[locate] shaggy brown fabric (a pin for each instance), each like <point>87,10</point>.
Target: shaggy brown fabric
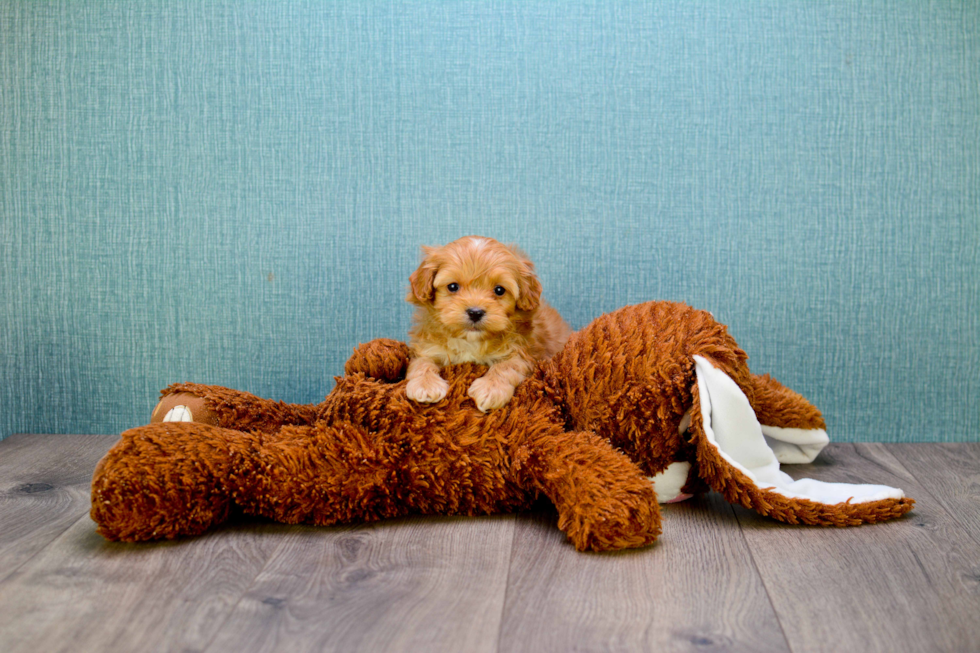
<point>776,405</point>
<point>629,375</point>
<point>583,431</point>
<point>383,359</point>
<point>372,454</point>
<point>239,410</point>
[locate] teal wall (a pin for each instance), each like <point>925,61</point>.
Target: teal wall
<point>234,192</point>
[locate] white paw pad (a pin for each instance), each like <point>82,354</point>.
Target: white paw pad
<point>668,483</point>
<point>179,414</point>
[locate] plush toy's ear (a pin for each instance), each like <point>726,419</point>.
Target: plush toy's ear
<point>735,459</point>
<point>422,280</point>
<point>528,285</point>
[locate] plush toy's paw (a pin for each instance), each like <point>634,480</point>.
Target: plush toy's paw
<point>490,394</point>
<point>427,388</point>
<point>668,484</point>
<point>383,359</point>
<point>183,407</point>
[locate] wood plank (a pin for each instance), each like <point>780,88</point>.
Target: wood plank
<point>951,474</point>
<point>695,589</point>
<point>442,583</point>
<point>907,585</point>
<point>44,488</point>
<point>421,584</point>
<point>83,593</point>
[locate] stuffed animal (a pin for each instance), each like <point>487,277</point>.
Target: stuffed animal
<point>656,395</point>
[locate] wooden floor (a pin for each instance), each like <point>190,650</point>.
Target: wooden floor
<point>720,579</point>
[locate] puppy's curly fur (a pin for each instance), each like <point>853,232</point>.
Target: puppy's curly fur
<point>479,301</point>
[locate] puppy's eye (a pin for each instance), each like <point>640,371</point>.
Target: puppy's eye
<point>499,291</point>
<point>453,287</point>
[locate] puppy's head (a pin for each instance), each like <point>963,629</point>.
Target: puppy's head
<point>475,287</point>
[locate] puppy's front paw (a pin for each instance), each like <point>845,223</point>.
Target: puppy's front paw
<point>427,389</point>
<point>490,394</point>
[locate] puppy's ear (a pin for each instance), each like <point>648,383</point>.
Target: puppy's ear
<point>529,287</point>
<point>422,280</point>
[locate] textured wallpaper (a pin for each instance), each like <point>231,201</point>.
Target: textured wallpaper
<point>235,192</point>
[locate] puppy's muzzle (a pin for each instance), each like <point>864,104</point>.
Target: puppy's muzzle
<point>475,314</point>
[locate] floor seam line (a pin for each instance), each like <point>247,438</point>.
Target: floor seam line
<point>510,567</point>
<point>765,587</point>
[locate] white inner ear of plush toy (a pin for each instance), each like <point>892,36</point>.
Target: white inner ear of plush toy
<point>731,426</point>
<point>795,446</point>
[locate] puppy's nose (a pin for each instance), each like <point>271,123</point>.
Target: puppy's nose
<point>476,314</point>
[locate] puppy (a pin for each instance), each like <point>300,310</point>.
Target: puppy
<point>478,302</point>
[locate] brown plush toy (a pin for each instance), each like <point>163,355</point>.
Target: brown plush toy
<point>638,393</point>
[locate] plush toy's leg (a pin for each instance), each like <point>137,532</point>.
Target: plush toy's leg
<point>735,460</point>
<point>322,475</point>
<point>162,481</point>
<point>183,407</point>
<point>603,499</point>
<point>233,409</point>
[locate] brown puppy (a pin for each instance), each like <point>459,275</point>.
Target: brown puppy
<point>479,302</point>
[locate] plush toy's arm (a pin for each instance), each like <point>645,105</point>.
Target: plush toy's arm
<point>604,501</point>
<point>383,359</point>
<point>233,409</point>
